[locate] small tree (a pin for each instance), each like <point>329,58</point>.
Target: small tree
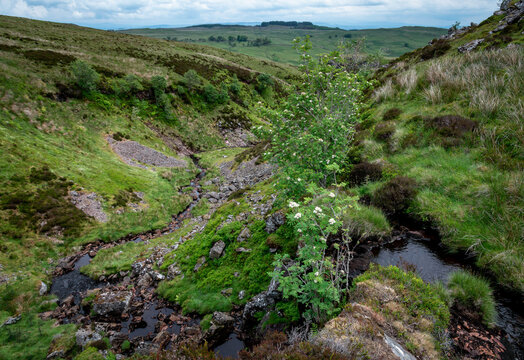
<point>192,80</point>
<point>85,76</point>
<point>264,82</point>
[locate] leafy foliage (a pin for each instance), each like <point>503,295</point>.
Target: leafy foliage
<point>85,76</point>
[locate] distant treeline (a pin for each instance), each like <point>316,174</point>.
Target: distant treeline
<point>295,24</point>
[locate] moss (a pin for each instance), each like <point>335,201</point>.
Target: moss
<point>90,353</point>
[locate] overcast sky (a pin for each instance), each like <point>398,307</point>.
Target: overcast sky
<point>112,14</point>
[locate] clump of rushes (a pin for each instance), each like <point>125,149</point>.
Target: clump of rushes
<point>474,293</point>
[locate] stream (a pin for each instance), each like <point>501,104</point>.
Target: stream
<point>432,263</point>
<point>413,249</point>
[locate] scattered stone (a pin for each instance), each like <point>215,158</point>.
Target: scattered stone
<point>244,235</point>
<point>241,294</point>
<point>173,271</point>
<point>43,289</point>
<point>86,337</point>
<point>89,203</point>
<point>217,250</point>
<point>145,281</point>
<point>201,261</point>
<point>227,292</point>
<point>136,154</point>
<point>243,250</point>
<point>274,221</point>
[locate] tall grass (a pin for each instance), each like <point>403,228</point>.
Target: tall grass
<point>473,293</point>
<point>384,92</point>
<point>408,80</point>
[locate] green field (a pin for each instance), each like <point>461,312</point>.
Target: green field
<point>391,42</point>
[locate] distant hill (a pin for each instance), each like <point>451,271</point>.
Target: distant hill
<point>272,40</point>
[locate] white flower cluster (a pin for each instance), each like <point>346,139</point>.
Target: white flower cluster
<point>293,204</point>
<point>298,215</point>
<point>317,210</point>
<point>332,221</point>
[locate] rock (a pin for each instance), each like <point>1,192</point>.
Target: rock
<point>58,354</point>
<point>221,326</point>
<point>227,292</point>
<point>146,348</point>
<point>243,250</point>
<point>262,302</point>
<point>274,221</point>
<point>213,195</point>
<point>217,250</point>
<point>201,261</point>
<point>11,320</point>
<point>241,294</point>
<point>173,271</point>
<point>112,302</point>
<point>43,289</point>
<point>86,337</point>
<point>504,6</point>
<point>244,235</point>
<point>470,46</point>
<point>162,338</point>
<point>145,281</point>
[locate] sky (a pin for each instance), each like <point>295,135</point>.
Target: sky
<point>349,14</point>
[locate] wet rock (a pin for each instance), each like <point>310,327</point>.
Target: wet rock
<point>217,250</point>
<point>221,326</point>
<point>43,289</point>
<point>274,221</point>
<point>262,302</point>
<point>201,261</point>
<point>112,302</point>
<point>85,337</point>
<point>162,338</point>
<point>244,235</point>
<point>145,281</point>
<point>146,348</point>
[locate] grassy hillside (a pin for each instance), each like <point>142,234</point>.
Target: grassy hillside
<point>54,131</point>
<point>453,122</point>
<point>392,42</point>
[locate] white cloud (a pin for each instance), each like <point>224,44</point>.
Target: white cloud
<point>355,13</point>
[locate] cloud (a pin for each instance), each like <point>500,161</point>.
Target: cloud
<point>352,13</point>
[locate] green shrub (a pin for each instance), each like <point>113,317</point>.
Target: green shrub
<point>437,49</point>
<point>364,172</point>
<point>127,86</point>
<point>192,80</point>
<point>159,85</point>
<point>126,345</point>
<point>85,76</point>
<point>264,82</point>
<point>213,96</point>
<point>474,293</point>
<point>90,353</point>
<point>395,196</point>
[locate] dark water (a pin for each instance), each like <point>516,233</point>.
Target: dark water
<point>83,261</point>
<point>433,264</point>
<point>150,318</point>
<point>73,283</point>
<point>231,347</point>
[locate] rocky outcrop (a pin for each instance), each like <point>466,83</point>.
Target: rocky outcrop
<point>274,221</point>
<point>85,338</point>
<point>470,46</point>
<point>221,326</point>
<point>512,14</point>
<point>109,302</point>
<point>264,302</point>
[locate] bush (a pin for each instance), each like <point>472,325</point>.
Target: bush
<point>85,76</point>
<point>192,80</point>
<point>392,114</point>
<point>451,125</point>
<point>364,172</point>
<point>159,85</point>
<point>384,131</point>
<point>264,82</point>
<point>473,293</point>
<point>395,196</point>
<point>213,96</point>
<point>129,85</point>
